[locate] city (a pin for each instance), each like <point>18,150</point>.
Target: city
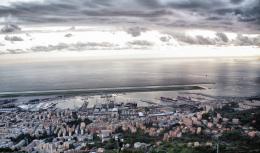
<point>188,122</point>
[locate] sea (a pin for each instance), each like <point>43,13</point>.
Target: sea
<point>220,77</point>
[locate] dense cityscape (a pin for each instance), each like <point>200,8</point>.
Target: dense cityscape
<point>181,124</point>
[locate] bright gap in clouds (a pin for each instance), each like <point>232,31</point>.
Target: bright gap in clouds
<point>110,42</point>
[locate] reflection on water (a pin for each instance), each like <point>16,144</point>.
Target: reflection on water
<point>230,78</point>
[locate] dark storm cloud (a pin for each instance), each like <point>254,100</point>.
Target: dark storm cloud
<point>136,31</point>
<point>13,38</point>
<point>198,40</point>
<point>122,13</point>
<point>165,38</point>
<point>8,28</point>
<point>140,43</point>
<point>74,47</point>
<point>223,37</point>
<point>236,1</point>
<point>150,3</point>
<point>254,12</point>
<point>208,14</point>
<point>219,39</point>
<point>257,80</point>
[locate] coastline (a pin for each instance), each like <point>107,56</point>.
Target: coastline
<point>102,90</point>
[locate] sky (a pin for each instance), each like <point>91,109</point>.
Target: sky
<point>212,14</point>
<point>162,25</point>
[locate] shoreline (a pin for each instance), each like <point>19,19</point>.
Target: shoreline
<point>102,90</point>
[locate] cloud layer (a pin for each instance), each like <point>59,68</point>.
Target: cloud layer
<point>212,14</point>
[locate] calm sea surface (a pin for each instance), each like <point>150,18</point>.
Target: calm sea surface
<point>224,77</point>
